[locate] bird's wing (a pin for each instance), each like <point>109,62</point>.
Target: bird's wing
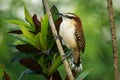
<point>80,39</point>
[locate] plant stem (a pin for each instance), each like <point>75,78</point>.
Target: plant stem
<point>113,36</point>
<point>21,75</point>
<point>67,67</point>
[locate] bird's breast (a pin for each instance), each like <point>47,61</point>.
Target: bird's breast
<point>67,32</point>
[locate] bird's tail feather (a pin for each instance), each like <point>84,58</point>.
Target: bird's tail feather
<point>77,66</point>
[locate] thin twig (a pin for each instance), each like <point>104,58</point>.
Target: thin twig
<point>21,75</point>
<point>67,67</point>
<point>113,35</point>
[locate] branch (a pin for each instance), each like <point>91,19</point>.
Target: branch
<point>113,35</point>
<point>67,67</point>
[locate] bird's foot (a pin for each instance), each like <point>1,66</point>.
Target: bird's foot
<point>65,56</point>
<point>57,37</point>
<point>77,67</point>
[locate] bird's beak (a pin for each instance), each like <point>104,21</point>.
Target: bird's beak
<point>60,14</point>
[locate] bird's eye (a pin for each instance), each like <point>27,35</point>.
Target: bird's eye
<point>70,17</point>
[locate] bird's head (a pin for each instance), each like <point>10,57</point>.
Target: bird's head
<point>70,18</point>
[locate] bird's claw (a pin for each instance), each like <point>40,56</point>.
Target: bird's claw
<point>57,37</point>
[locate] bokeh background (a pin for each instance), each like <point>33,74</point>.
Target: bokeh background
<point>94,15</point>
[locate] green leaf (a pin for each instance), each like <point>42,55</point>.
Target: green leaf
<point>37,38</point>
<point>25,40</point>
<point>28,35</point>
<point>18,42</point>
<point>28,16</point>
<point>1,71</point>
<point>44,31</point>
<point>21,38</point>
<point>17,22</point>
<point>82,75</point>
<point>26,32</point>
<point>44,7</point>
<point>50,40</point>
<point>43,62</point>
<point>55,65</point>
<point>54,12</point>
<point>6,76</point>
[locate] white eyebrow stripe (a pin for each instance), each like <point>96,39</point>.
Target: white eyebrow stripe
<point>70,15</point>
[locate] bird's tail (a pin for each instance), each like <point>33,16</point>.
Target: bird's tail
<point>78,65</point>
<point>75,61</point>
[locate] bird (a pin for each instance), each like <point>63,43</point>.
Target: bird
<point>72,35</point>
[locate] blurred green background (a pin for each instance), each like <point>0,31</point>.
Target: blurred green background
<point>98,53</point>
